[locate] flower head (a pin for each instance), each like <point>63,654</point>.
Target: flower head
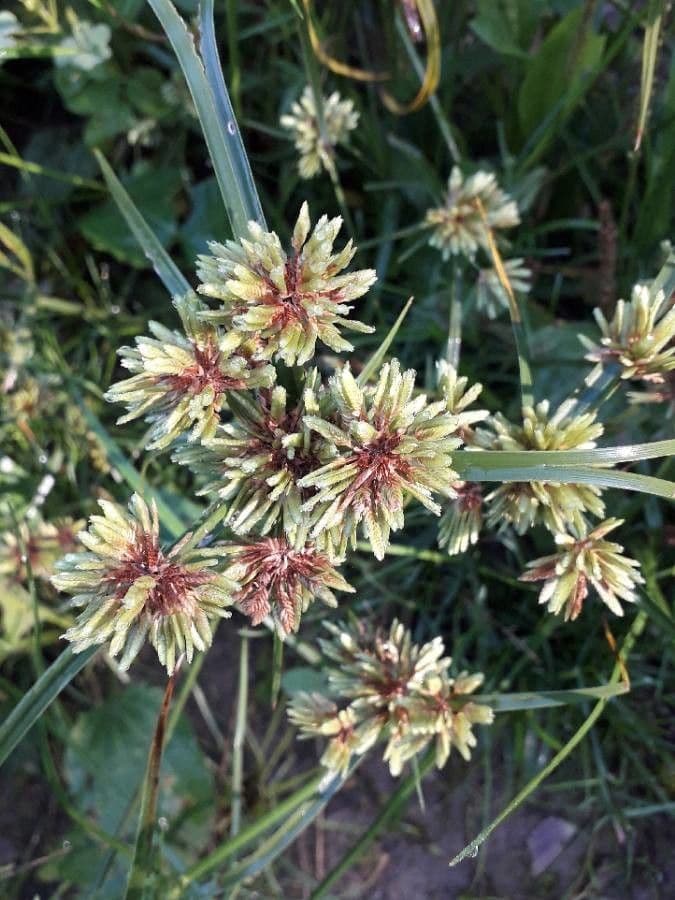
<point>554,505</point>
<point>491,297</point>
<point>397,691</point>
<point>287,301</point>
<point>317,152</point>
<point>584,560</point>
<point>460,524</point>
<point>459,226</point>
<point>640,336</point>
<point>458,397</point>
<point>131,589</point>
<point>40,544</point>
<point>391,447</point>
<point>256,460</point>
<point>180,381</point>
<point>280,579</point>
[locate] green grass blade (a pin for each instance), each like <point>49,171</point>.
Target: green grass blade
<point>627,481</point>
<point>142,863</point>
<point>232,136</point>
<point>471,848</point>
<point>547,699</point>
<point>215,130</point>
<point>32,168</point>
<point>45,690</point>
<point>377,358</point>
<point>602,456</point>
<point>164,266</point>
<point>650,46</point>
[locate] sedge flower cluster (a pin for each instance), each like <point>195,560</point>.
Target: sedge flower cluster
<point>384,688</point>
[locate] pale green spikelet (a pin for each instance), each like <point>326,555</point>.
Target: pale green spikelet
<point>586,559</point>
<point>554,505</point>
<point>281,579</point>
<point>256,460</point>
<point>392,447</point>
<point>180,381</point>
<point>396,691</point>
<point>461,522</point>
<point>458,397</point>
<point>287,301</point>
<point>317,152</point>
<point>640,336</point>
<point>458,225</point>
<point>132,590</point>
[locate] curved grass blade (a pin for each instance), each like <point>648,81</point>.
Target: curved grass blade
<point>215,130</point>
<point>655,14</point>
<point>38,698</point>
<point>164,266</point>
<point>627,481</point>
<point>376,359</point>
<point>141,870</point>
<point>601,456</point>
<point>547,699</point>
<point>471,848</point>
<point>232,136</point>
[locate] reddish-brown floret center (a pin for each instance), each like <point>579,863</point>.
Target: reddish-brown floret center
<point>174,586</point>
<point>276,574</point>
<point>205,372</point>
<point>380,467</point>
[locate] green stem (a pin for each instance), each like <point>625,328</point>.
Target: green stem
<point>239,736</point>
<point>141,870</point>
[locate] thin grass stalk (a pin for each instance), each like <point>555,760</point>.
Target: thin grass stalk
<point>471,849</point>
<point>239,739</point>
<point>141,870</point>
<point>650,47</point>
<point>392,809</point>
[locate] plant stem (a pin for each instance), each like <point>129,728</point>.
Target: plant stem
<point>239,736</point>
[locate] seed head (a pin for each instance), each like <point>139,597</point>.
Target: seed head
<point>397,691</point>
<point>317,152</point>
<point>131,589</point>
<point>457,398</point>
<point>458,224</point>
<point>640,336</point>
<point>180,381</point>
<point>583,560</point>
<point>491,297</point>
<point>287,301</point>
<point>554,505</point>
<point>391,447</point>
<point>462,519</point>
<point>256,460</point>
<point>281,580</point>
<point>42,543</point>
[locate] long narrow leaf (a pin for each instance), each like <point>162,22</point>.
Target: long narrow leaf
<point>221,96</point>
<point>604,456</point>
<point>376,359</point>
<point>234,193</point>
<point>649,49</point>
<point>32,705</point>
<point>162,263</point>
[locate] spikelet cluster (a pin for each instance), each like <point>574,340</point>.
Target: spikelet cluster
<point>388,689</point>
<point>640,336</point>
<point>131,590</point>
<point>280,579</point>
<point>287,302</point>
<point>38,544</point>
<point>181,380</point>
<point>491,296</point>
<point>390,447</point>
<point>317,151</point>
<point>257,459</point>
<point>582,561</point>
<point>459,226</point>
<point>554,505</point>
